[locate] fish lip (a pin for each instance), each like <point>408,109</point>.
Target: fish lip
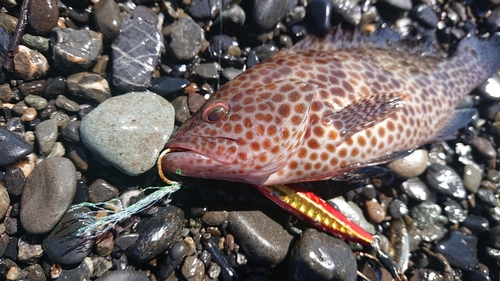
<point>188,144</point>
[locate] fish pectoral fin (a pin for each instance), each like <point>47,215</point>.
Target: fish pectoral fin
<point>360,171</point>
<point>364,113</point>
<point>459,119</point>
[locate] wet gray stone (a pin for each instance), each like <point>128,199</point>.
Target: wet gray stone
<point>129,131</point>
<point>181,109</point>
<point>124,275</point>
<point>353,212</point>
<point>400,4</point>
<point>136,51</point>
<point>266,14</point>
<point>214,218</point>
<point>54,87</point>
<point>230,73</point>
<point>72,132</point>
<point>156,233</point>
<point>318,256</point>
<point>90,86</point>
<point>62,119</point>
<point>204,9</point>
<point>12,147</point>
<point>445,180</point>
<point>146,14</point>
<point>187,39</point>
<point>454,211</point>
<point>75,50</point>
<point>487,197</point>
<point>36,102</point>
<point>206,70</point>
<point>264,241</point>
<point>64,103</point>
<point>107,18</point>
<point>425,15</point>
<point>52,184</point>
<point>472,178</point>
<point>46,133</point>
<point>476,224</point>
<point>460,250</point>
<point>32,88</point>
<point>38,43</point>
<point>426,214</point>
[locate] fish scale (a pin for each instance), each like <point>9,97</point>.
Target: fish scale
<point>326,107</point>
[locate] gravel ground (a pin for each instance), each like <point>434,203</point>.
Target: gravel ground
<point>73,129</point>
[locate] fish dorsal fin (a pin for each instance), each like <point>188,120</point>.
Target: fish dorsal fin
<point>342,38</point>
<point>288,101</point>
<point>364,113</point>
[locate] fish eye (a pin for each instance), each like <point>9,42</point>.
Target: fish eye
<point>215,112</point>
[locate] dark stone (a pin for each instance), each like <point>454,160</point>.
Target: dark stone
<point>264,241</point>
<point>173,259</point>
<point>320,13</point>
<point>14,181</point>
<point>32,88</point>
<point>101,191</point>
<point>46,133</point>
<point>64,103</point>
<point>476,224</point>
<point>425,15</point>
<point>204,9</point>
<point>460,250</point>
<point>146,14</point>
<point>65,244</point>
<point>156,233</point>
<point>445,180</point>
<point>43,15</point>
<point>12,147</point>
<point>107,18</point>
<point>166,85</point>
<point>54,87</point>
<point>318,256</point>
<point>75,50</point>
<point>71,132</point>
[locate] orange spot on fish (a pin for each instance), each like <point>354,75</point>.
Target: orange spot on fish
<point>302,152</point>
<point>342,153</point>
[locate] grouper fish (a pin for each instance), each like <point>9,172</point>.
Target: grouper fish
<point>328,106</point>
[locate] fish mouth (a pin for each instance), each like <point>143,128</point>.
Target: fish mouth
<point>220,149</point>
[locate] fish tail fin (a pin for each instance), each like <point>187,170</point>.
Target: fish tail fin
<point>486,50</point>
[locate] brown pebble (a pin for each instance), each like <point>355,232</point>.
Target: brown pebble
<point>375,211</point>
<point>191,88</point>
<point>8,23</point>
<point>29,115</point>
<point>190,246</point>
<point>101,65</point>
<point>43,15</point>
<point>195,101</point>
<point>104,244</point>
<point>29,64</point>
<point>212,230</point>
<point>229,243</point>
<point>214,218</point>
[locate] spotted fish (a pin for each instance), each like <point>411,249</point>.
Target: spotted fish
<point>328,106</point>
